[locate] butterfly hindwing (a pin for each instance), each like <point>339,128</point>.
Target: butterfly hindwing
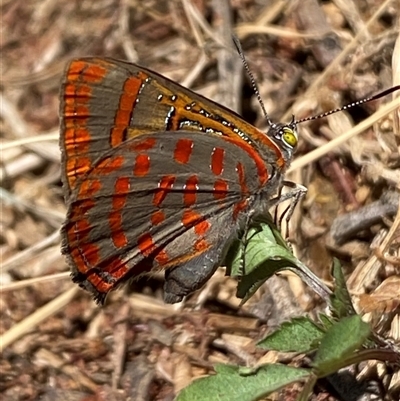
<point>159,201</point>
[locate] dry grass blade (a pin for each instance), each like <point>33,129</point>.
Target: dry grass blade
<point>323,150</point>
<point>51,136</point>
<point>29,282</point>
<point>32,321</point>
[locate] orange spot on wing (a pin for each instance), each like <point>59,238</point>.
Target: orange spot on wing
<point>220,189</point>
<point>94,73</point>
<point>239,207</point>
<point>121,190</point>
<point>117,269</point>
<point>79,231</point>
<point>162,257</point>
<point>88,256</point>
<point>192,219</point>
<point>113,271</point>
<point>164,187</point>
<point>103,287</point>
<point>87,71</point>
<point>77,93</point>
<point>89,188</point>
<point>142,165</point>
<point>217,161</point>
<point>183,150</point>
<point>76,69</point>
<point>109,165</point>
<point>77,141</point>
<point>190,192</point>
<point>147,247</point>
<point>202,227</point>
<point>144,145</point>
<point>201,245</point>
<point>146,244</point>
<point>118,236</point>
<point>157,217</point>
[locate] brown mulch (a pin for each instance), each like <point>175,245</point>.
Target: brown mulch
<point>308,57</point>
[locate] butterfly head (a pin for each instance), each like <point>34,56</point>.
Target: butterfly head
<point>286,138</point>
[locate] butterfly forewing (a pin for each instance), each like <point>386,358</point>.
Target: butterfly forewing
<point>104,102</point>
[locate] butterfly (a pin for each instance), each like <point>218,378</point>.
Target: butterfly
<point>157,177</point>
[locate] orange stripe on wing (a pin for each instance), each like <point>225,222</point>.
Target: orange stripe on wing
<point>127,100</point>
<point>86,256</point>
<point>77,93</point>
<point>115,221</point>
<point>87,71</point>
<point>240,206</point>
<point>114,271</point>
<point>242,179</point>
<point>262,171</point>
<point>117,268</point>
<point>75,167</point>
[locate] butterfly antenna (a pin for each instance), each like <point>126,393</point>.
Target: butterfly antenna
<point>350,105</point>
<point>251,77</point>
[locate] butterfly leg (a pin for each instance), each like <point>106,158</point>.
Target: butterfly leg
<point>295,194</point>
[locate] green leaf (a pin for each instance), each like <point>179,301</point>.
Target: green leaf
<point>341,302</point>
<point>339,343</point>
<point>230,385</point>
<point>325,321</point>
<point>299,335</point>
<point>265,254</point>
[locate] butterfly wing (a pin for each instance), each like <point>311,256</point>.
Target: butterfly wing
<point>162,200</point>
<point>105,102</point>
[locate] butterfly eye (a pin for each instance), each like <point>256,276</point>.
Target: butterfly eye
<point>289,137</point>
